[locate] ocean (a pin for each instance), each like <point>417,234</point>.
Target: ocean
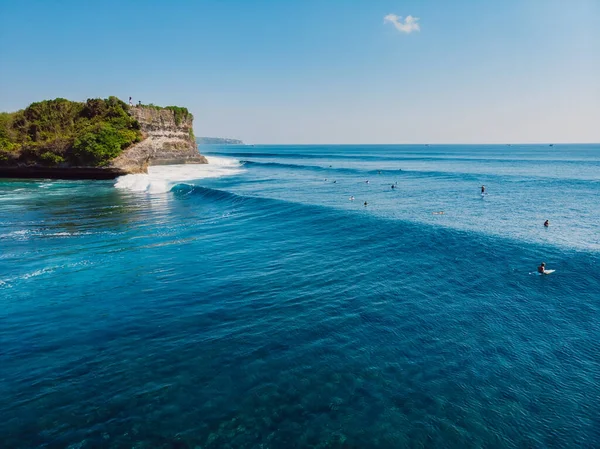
<point>252,303</point>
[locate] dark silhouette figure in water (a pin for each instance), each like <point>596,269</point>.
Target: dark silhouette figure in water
<point>546,223</point>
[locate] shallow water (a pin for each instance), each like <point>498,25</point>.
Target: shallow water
<point>252,304</point>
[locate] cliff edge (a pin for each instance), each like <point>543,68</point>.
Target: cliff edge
<point>167,139</point>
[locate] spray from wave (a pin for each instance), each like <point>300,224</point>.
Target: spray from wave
<point>161,179</point>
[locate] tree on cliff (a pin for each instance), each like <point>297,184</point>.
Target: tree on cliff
<point>62,132</point>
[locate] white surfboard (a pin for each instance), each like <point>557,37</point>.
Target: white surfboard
<point>544,273</point>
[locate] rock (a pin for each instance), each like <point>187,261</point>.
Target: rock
<point>165,142</point>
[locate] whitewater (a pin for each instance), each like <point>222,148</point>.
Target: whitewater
<point>161,179</point>
<point>250,302</point>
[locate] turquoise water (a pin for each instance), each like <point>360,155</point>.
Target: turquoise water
<point>251,304</point>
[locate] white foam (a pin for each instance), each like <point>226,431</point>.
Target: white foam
<point>162,178</point>
<point>22,234</point>
<point>37,273</point>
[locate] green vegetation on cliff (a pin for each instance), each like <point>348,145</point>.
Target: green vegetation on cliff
<point>62,132</point>
<point>179,112</point>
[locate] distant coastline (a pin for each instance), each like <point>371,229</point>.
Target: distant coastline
<point>218,141</point>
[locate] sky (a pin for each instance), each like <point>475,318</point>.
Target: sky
<point>321,71</point>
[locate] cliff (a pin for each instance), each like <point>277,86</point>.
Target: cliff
<point>98,139</point>
<point>168,139</point>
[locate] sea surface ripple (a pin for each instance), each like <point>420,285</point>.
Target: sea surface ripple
<point>251,304</point>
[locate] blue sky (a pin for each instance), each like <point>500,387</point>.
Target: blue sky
<point>321,71</point>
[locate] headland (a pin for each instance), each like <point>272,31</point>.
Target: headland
<point>96,139</point>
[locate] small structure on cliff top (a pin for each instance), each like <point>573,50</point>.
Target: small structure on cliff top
<point>98,139</point>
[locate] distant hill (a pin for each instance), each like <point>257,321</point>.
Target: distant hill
<point>218,141</point>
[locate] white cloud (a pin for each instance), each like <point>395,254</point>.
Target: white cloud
<point>408,25</point>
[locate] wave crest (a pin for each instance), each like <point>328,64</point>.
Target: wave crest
<point>162,178</point>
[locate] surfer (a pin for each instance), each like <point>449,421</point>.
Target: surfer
<point>393,186</point>
<point>366,203</point>
<point>367,181</point>
<point>546,223</point>
<point>542,268</point>
<point>351,198</point>
<point>482,190</point>
<point>334,182</point>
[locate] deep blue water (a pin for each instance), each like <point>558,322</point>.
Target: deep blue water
<point>260,308</point>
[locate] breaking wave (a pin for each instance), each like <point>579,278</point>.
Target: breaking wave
<point>162,178</point>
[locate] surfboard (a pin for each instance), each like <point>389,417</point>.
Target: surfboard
<point>542,274</point>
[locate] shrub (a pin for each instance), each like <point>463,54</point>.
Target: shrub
<point>4,154</point>
<point>100,144</point>
<point>49,158</point>
<point>179,113</point>
<point>8,146</point>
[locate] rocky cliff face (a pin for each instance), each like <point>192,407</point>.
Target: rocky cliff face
<point>167,141</point>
